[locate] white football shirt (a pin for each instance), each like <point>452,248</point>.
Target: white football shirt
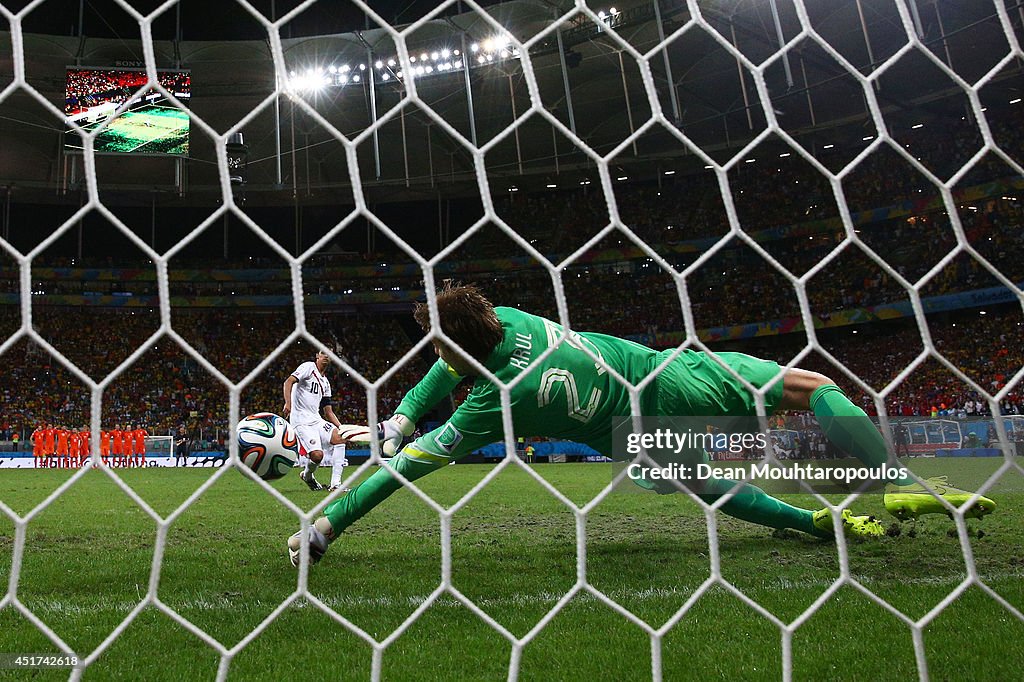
<point>307,392</point>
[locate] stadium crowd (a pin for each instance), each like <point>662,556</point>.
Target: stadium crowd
<point>167,386</point>
<point>89,87</point>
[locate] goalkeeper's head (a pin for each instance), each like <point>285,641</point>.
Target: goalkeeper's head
<point>468,319</point>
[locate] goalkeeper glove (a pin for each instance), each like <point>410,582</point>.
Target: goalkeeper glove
<point>391,432</point>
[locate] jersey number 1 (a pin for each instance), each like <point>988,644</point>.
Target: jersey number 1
<point>577,411</point>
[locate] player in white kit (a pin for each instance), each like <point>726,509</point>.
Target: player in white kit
<point>307,393</point>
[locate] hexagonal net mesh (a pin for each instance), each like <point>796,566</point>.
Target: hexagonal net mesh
<point>697,21</point>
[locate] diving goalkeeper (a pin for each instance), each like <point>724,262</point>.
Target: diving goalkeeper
<point>569,396</point>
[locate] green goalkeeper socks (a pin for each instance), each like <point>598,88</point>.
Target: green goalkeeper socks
<point>752,504</point>
<point>848,428</point>
<point>343,512</point>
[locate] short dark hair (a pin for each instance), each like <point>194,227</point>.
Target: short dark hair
<point>467,318</point>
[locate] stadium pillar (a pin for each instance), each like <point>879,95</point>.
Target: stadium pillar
<point>916,17</point>
<point>469,92</point>
<point>430,153</point>
<point>867,38</point>
<point>807,90</point>
<point>512,97</point>
<point>405,147</point>
<point>373,105</point>
<point>942,34</point>
<point>629,109</point>
<point>565,81</point>
<point>743,84</point>
<point>782,41</point>
<point>277,135</point>
<point>673,97</point>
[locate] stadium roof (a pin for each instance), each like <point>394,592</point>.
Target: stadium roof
<point>716,102</point>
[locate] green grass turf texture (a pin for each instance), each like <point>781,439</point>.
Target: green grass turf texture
<point>168,134</point>
<point>89,555</point>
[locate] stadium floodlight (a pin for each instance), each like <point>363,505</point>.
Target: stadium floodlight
<point>355,78</point>
<point>362,67</point>
<point>423,57</point>
<point>445,53</point>
<point>622,177</point>
<point>385,76</point>
<point>474,47</point>
<point>391,62</point>
<point>1015,101</point>
<point>916,126</point>
<point>828,146</point>
<point>379,64</point>
<point>551,185</point>
<point>435,56</point>
<point>332,68</point>
<point>345,68</point>
<point>670,172</point>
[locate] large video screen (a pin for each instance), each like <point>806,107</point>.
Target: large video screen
<point>150,125</point>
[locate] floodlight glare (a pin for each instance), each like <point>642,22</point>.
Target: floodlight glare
<point>434,56</point>
<point>445,53</point>
<point>379,64</point>
<point>474,47</point>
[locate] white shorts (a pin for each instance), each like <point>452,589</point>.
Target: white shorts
<point>315,436</point>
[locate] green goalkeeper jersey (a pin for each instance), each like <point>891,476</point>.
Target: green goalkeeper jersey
<point>566,395</point>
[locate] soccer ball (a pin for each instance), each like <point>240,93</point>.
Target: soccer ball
<point>267,445</point>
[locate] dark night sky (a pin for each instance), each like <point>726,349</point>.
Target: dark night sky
<point>216,19</point>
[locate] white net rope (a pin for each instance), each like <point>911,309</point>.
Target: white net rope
<point>697,22</point>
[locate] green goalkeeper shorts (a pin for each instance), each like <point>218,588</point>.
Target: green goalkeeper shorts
<point>695,385</point>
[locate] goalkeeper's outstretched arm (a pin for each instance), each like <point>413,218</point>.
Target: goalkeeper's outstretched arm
<point>476,423</point>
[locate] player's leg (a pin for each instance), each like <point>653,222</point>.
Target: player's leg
<point>309,439</point>
<point>751,504</point>
<point>849,428</point>
<point>345,511</point>
<point>337,466</point>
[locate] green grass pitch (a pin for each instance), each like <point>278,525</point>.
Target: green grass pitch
<point>150,129</point>
<point>89,556</point>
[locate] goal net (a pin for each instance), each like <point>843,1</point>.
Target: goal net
<point>763,111</point>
